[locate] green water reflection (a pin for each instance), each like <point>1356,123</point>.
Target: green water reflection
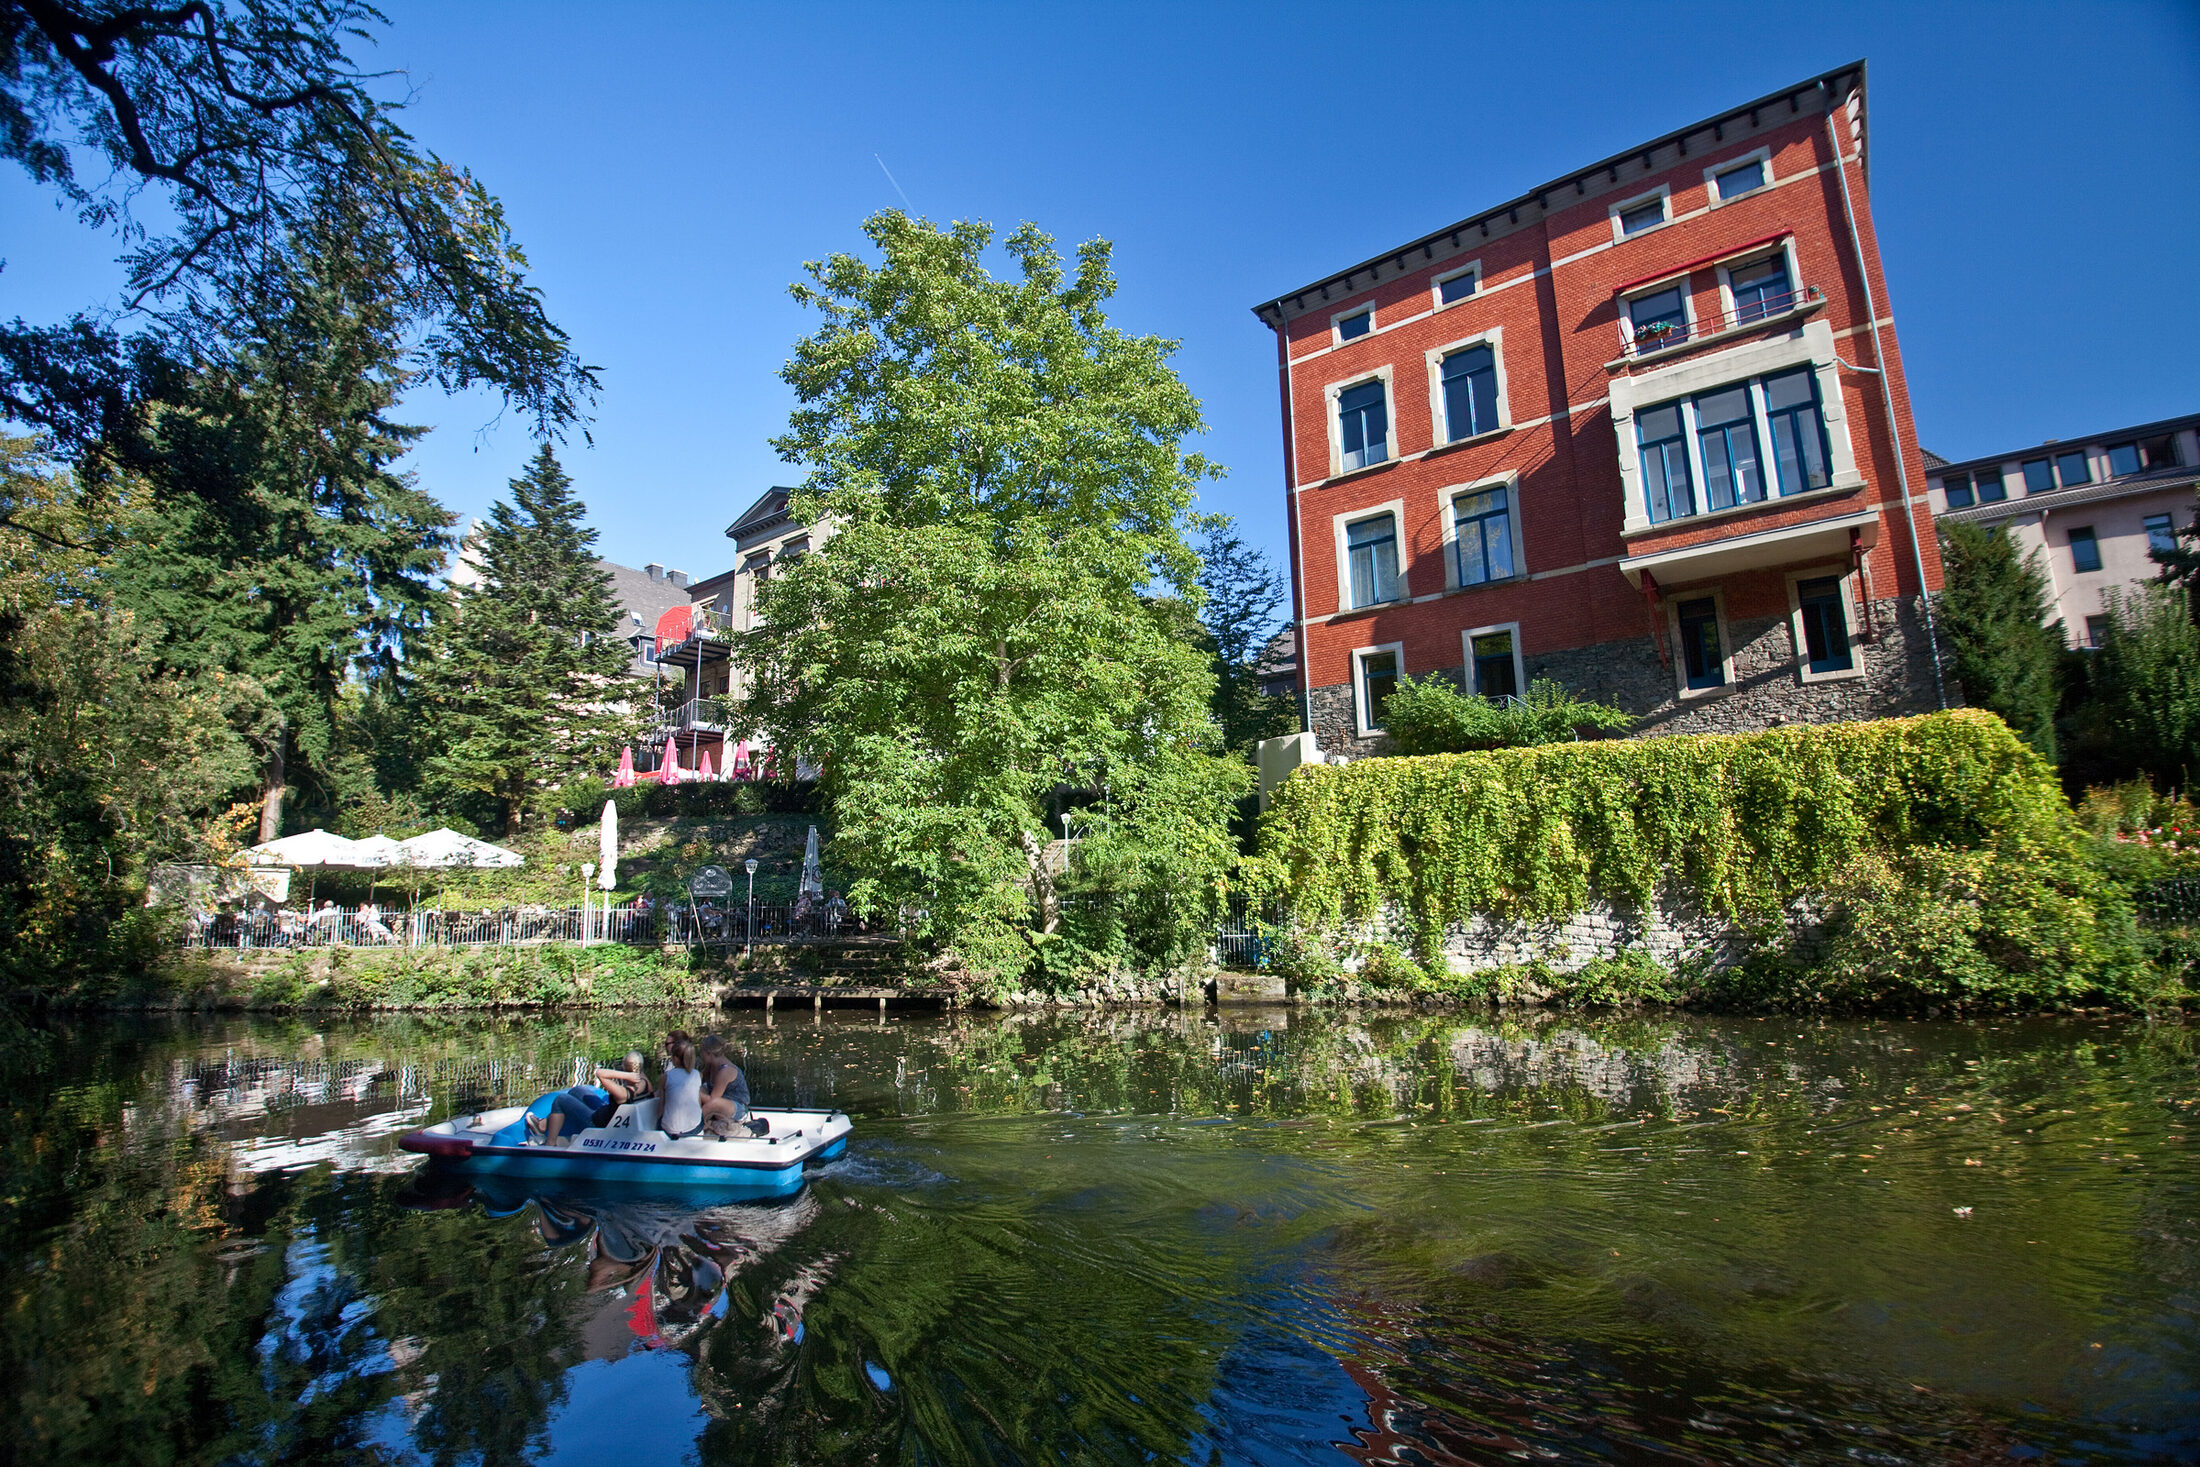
<point>1268,1237</point>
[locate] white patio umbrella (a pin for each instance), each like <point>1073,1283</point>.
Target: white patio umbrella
<point>446,847</point>
<point>380,850</point>
<point>607,848</point>
<point>311,848</point>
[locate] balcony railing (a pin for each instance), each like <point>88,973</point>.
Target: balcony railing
<point>705,714</point>
<point>1648,340</point>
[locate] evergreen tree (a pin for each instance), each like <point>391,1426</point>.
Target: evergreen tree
<point>2144,714</point>
<point>527,688</point>
<point>279,545</point>
<point>1243,599</point>
<point>2003,649</point>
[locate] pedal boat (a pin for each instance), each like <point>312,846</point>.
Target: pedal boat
<point>632,1148</point>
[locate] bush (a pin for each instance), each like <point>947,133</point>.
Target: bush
<point>1942,848</point>
<point>1430,716</point>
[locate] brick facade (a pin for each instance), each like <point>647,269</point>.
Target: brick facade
<point>1597,574</point>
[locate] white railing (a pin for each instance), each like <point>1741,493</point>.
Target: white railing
<point>376,926</point>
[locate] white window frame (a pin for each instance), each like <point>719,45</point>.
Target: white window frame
<point>1813,347</point>
<point>1466,654</point>
<point>1728,165</point>
<point>1338,318</point>
<point>1494,339</point>
<point>1673,600</point>
<point>1359,683</point>
<point>1436,301</point>
<point>1343,521</point>
<point>1726,268</point>
<point>1847,576</point>
<point>1447,514</point>
<point>1686,280</point>
<point>1663,193</point>
<point>1336,390</point>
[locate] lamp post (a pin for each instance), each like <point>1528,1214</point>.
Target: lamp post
<point>750,867</point>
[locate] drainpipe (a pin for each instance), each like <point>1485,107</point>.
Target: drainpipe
<point>1886,393</point>
<point>1291,507</point>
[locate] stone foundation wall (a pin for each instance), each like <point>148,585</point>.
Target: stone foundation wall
<point>1673,929</point>
<point>1766,691</point>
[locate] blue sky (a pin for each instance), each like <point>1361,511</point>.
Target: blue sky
<point>2036,175</point>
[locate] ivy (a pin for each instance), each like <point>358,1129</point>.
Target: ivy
<point>1745,824</point>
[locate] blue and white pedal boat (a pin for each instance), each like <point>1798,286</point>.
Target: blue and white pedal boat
<point>633,1148</point>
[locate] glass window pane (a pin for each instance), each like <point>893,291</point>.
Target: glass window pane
<point>1458,288</point>
<point>1791,389</point>
<point>2039,476</point>
<point>1990,487</point>
<point>1367,532</point>
<point>1658,423</point>
<point>1493,665</point>
<point>1642,216</point>
<point>1958,489</point>
<point>1367,394</point>
<point>2072,468</point>
<point>1741,180</point>
<point>1353,327</point>
<point>2085,550</point>
<point>1497,543</point>
<point>1378,680</point>
<point>1729,406</point>
<point>1700,654</point>
<point>2161,533</point>
<point>1825,629</point>
<point>2123,459</point>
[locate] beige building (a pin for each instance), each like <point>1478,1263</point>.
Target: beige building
<point>2096,507</point>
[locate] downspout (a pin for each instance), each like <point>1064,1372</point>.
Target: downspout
<point>1886,395</point>
<point>1291,507</point>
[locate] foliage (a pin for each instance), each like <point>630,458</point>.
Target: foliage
<point>527,684</point>
<point>254,136</point>
<point>1242,595</point>
<point>1430,716</point>
<point>2142,715</point>
<point>2001,647</point>
<point>1945,822</point>
<point>980,644</point>
<point>466,978</point>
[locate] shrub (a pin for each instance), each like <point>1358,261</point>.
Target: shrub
<point>1430,716</point>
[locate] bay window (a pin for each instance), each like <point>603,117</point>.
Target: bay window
<point>1665,463</point>
<point>1726,434</point>
<point>1717,439</point>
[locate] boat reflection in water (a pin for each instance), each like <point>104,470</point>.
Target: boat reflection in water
<point>660,1266</point>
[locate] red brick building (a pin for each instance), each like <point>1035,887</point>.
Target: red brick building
<point>1626,431</point>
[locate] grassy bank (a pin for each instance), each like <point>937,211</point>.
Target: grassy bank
<point>607,975</point>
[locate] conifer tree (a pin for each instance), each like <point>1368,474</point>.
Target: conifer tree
<point>2005,652</point>
<point>526,689</point>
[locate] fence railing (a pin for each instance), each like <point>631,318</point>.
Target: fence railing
<point>2174,901</point>
<point>703,924</point>
<point>1654,337</point>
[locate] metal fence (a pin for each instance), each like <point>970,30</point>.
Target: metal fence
<point>2173,901</point>
<point>701,924</point>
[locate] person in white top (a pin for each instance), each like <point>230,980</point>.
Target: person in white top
<point>683,1105</point>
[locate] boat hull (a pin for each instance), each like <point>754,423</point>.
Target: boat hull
<point>630,1151</point>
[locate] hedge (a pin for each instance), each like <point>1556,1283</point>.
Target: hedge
<point>1948,812</point>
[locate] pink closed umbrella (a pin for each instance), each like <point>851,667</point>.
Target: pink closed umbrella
<point>624,779</point>
<point>706,774</point>
<point>670,772</point>
<point>740,767</point>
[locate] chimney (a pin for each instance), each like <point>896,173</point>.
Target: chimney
<point>654,571</point>
<point>678,577</point>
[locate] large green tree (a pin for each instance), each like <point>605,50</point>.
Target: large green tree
<point>282,544</point>
<point>528,685</point>
<point>995,626</point>
<point>2002,647</point>
<point>2142,712</point>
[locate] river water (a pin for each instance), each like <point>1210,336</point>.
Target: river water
<point>1259,1237</point>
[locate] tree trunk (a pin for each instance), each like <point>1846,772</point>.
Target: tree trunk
<point>1042,883</point>
<point>271,791</point>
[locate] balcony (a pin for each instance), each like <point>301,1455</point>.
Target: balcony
<point>697,715</point>
<point>1674,338</point>
<point>688,636</point>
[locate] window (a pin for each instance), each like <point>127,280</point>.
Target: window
<point>1483,523</point>
<point>1990,488</point>
<point>1364,420</point>
<point>1645,215</point>
<point>1798,431</point>
<point>2039,476</point>
<point>2161,534</point>
<point>1660,318</point>
<point>1726,432</point>
<point>1762,289</point>
<point>2096,630</point>
<point>1958,489</point>
<point>2123,458</point>
<point>2072,468</point>
<point>1378,680</point>
<point>2085,548</point>
<point>1373,547</point>
<point>1742,178</point>
<point>1665,463</point>
<point>2160,453</point>
<point>1494,673</point>
<point>1470,392</point>
<point>1356,325</point>
<point>1456,287</point>
<point>1819,606</point>
<point>1701,658</point>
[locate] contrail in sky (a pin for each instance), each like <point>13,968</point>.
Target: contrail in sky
<point>912,208</point>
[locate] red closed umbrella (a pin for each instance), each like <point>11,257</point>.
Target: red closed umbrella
<point>624,778</point>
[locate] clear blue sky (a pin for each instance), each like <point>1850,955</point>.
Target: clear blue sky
<point>2036,174</point>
